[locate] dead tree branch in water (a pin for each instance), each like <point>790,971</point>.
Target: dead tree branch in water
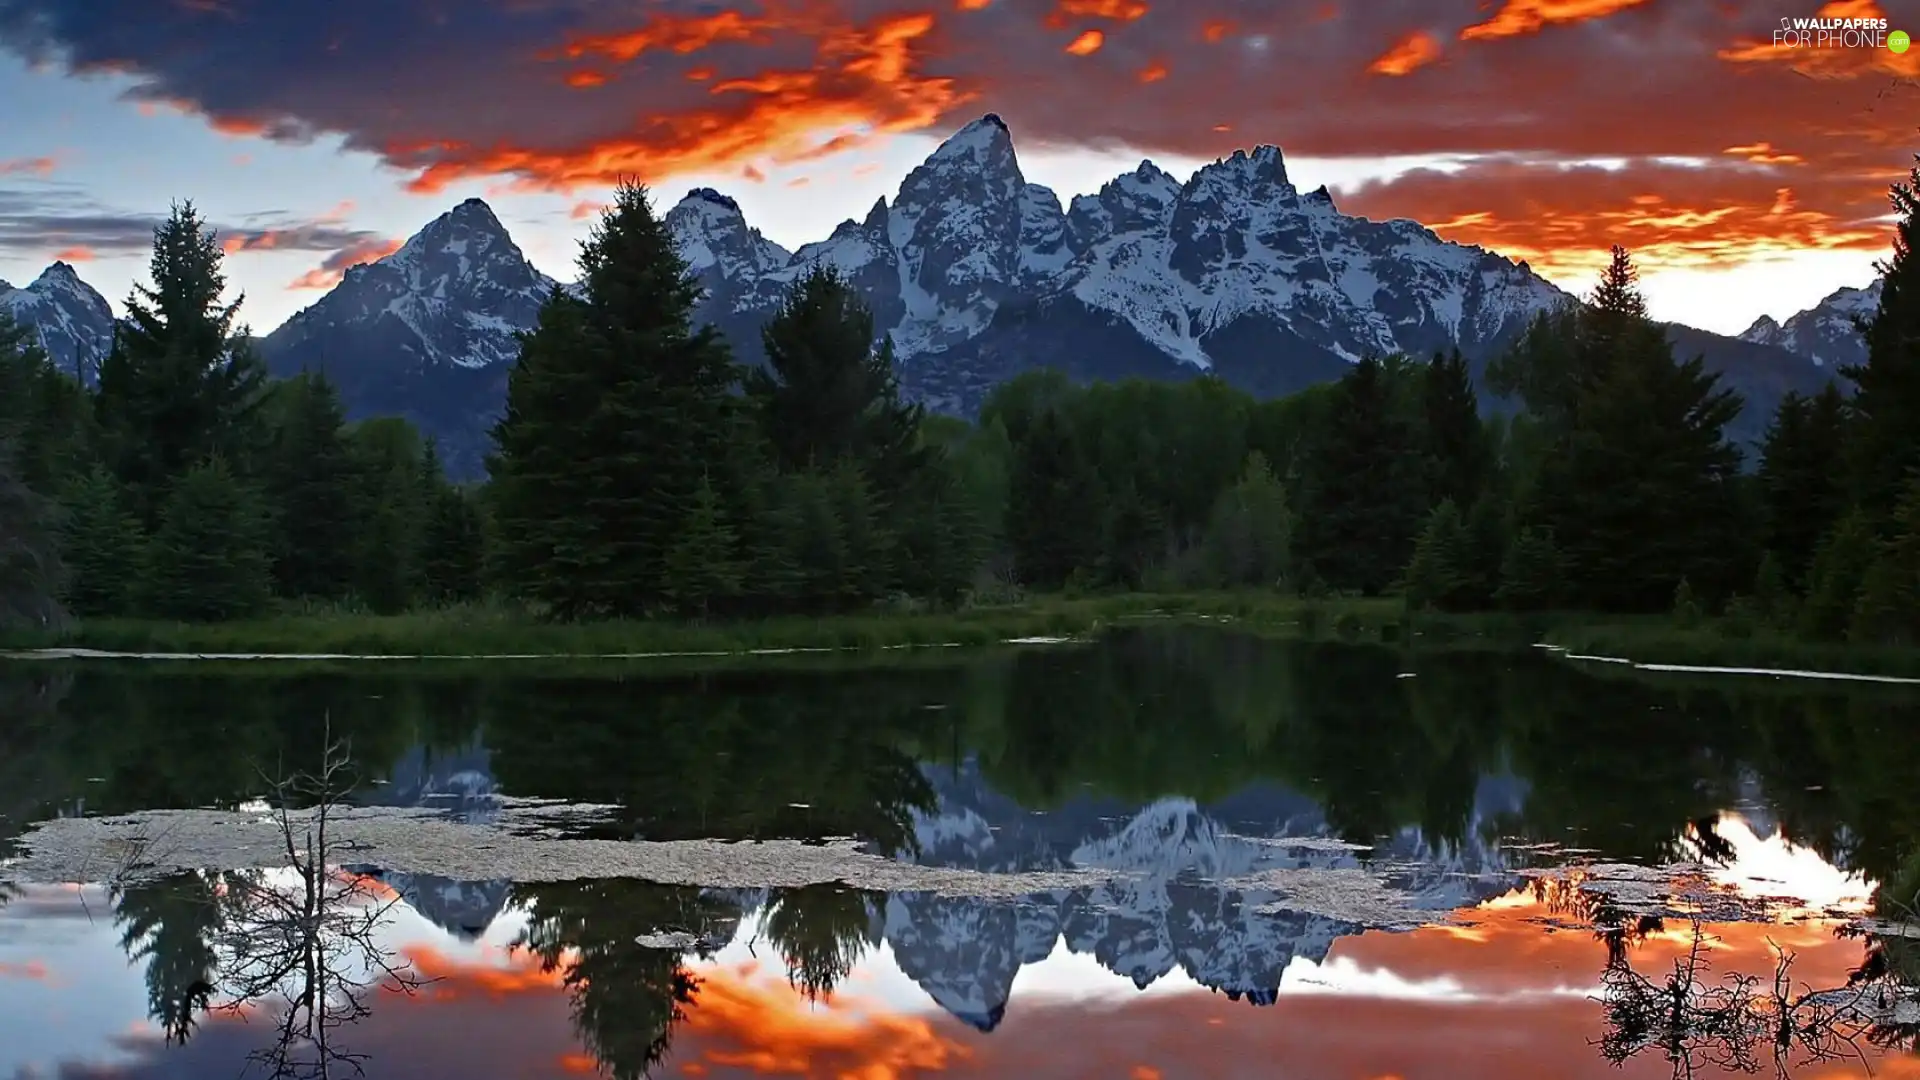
<point>302,941</point>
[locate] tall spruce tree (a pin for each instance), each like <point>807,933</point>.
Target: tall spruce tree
<point>1055,512</point>
<point>390,505</point>
<point>1363,499</point>
<point>1885,439</point>
<point>181,384</point>
<point>616,410</point>
<point>43,413</point>
<point>208,559</point>
<point>1455,445</point>
<point>103,545</point>
<point>1637,484</point>
<point>1802,479</point>
<point>310,475</point>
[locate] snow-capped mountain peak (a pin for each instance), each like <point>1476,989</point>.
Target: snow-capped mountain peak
<point>713,235</point>
<point>1826,332</point>
<point>73,321</point>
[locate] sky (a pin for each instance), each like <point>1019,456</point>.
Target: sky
<point>1748,177</point>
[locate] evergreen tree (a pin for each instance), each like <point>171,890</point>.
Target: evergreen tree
<point>1885,440</point>
<point>1833,582</point>
<point>1772,598</point>
<point>390,512</point>
<point>1250,539</point>
<point>1363,498</point>
<point>941,536</point>
<point>701,565</point>
<point>1802,481</point>
<point>180,384</point>
<point>31,571</point>
<point>1637,485</point>
<point>616,410</point>
<point>209,560</point>
<point>103,545</point>
<point>1888,610</point>
<point>1441,574</point>
<point>1054,512</point>
<point>818,554</point>
<point>1532,574</point>
<point>1455,442</point>
<point>43,413</point>
<point>310,476</point>
<point>867,568</point>
<point>452,547</point>
<point>827,394</point>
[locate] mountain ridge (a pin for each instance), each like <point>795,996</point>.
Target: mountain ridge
<point>979,274</point>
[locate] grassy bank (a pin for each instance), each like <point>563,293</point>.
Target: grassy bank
<point>472,631</point>
<point>492,631</point>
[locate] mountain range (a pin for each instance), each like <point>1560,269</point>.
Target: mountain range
<point>978,275</point>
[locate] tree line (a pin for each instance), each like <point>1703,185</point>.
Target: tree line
<point>639,471</point>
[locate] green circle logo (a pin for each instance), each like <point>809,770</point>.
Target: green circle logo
<point>1898,41</point>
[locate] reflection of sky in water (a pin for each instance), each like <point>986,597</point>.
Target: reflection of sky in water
<point>1496,995</point>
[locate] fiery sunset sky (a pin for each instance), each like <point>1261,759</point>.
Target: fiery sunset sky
<point>1749,179</point>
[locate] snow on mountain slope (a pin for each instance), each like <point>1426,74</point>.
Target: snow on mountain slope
<point>73,321</point>
<point>1824,333</point>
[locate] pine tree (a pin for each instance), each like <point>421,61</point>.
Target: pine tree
<point>1454,440</point>
<point>43,413</point>
<point>1363,499</point>
<point>1772,598</point>
<point>453,547</point>
<point>103,546</point>
<point>389,509</point>
<point>209,560</point>
<point>1638,482</point>
<point>867,570</point>
<point>1250,536</point>
<point>1885,441</point>
<point>310,477</point>
<point>1533,572</point>
<point>1686,606</point>
<point>616,410</point>
<point>819,554</point>
<point>1888,609</point>
<point>180,384</point>
<point>701,564</point>
<point>31,571</point>
<point>1833,582</point>
<point>1055,513</point>
<point>1440,574</point>
<point>1802,481</point>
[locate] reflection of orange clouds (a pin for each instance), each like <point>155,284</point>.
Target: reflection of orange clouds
<point>31,971</point>
<point>1411,53</point>
<point>1563,219</point>
<point>1517,17</point>
<point>864,75</point>
<point>449,977</point>
<point>746,1019</point>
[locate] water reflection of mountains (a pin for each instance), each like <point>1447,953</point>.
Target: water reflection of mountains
<point>1173,914</point>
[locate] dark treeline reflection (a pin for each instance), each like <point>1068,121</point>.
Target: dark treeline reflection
<point>1604,758</point>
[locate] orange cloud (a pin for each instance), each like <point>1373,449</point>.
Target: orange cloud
<point>585,209</point>
<point>40,166</point>
<point>237,126</point>
<point>1411,53</point>
<point>1562,219</point>
<point>751,174</point>
<point>798,182</point>
<point>972,5</point>
<point>585,79</point>
<point>1066,11</point>
<point>1517,17</point>
<point>74,255</point>
<point>1087,43</point>
<point>864,75</point>
<point>32,970</point>
<point>1153,72</point>
<point>699,74</point>
<point>1761,153</point>
<point>1213,31</point>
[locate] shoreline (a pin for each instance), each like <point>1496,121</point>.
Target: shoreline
<point>490,633</point>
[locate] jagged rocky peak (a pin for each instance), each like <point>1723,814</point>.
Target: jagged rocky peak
<point>1320,196</point>
<point>1260,172</point>
<point>713,236</point>
<point>1131,202</point>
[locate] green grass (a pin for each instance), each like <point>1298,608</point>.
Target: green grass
<point>468,631</point>
<point>486,630</point>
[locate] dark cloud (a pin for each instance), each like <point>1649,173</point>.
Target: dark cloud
<point>59,221</point>
<point>566,94</point>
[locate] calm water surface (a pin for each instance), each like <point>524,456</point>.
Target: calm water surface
<point>1505,800</point>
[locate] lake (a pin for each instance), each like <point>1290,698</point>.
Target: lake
<point>1170,853</point>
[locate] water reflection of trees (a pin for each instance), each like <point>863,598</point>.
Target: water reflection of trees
<point>299,944</point>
